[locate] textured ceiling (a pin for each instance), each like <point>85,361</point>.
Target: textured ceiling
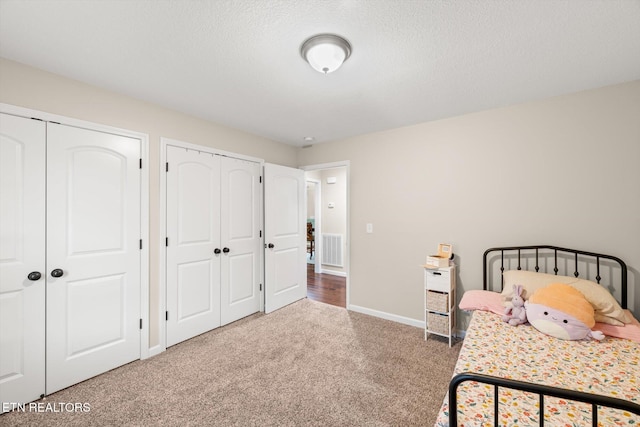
<point>238,62</point>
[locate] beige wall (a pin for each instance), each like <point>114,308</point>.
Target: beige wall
<point>563,171</point>
<point>311,192</point>
<point>334,220</point>
<point>32,88</point>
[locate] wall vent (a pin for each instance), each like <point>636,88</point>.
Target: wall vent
<point>332,250</point>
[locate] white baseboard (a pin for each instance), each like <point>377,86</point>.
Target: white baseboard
<point>155,350</point>
<point>334,273</point>
<point>458,333</point>
<point>387,316</point>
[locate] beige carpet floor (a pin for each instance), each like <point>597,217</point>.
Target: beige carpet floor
<point>308,364</point>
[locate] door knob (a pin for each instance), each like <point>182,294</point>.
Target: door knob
<point>34,275</point>
<point>57,273</point>
<point>226,250</point>
<point>217,251</point>
<point>271,246</point>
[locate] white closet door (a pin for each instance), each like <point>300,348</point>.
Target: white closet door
<point>93,232</point>
<point>22,251</point>
<point>240,238</point>
<point>285,236</point>
<point>193,232</point>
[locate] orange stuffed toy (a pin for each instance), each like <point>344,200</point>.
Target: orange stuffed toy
<point>563,312</point>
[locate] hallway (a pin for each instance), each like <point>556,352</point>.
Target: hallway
<point>326,288</point>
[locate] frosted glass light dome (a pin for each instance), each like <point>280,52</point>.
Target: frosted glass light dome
<point>325,52</point>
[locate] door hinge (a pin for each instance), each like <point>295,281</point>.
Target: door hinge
<point>166,315</point>
<point>141,324</point>
<point>140,163</point>
<point>260,233</point>
<point>166,241</point>
<point>260,179</point>
<point>260,286</point>
<point>55,123</point>
<point>35,118</point>
<point>166,167</point>
<point>140,244</point>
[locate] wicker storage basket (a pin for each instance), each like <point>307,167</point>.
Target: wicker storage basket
<point>438,323</point>
<point>438,301</point>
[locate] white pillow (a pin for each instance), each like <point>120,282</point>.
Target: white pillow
<point>607,309</point>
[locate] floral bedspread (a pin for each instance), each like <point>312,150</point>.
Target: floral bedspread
<point>610,367</point>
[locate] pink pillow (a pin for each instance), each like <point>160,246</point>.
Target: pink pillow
<point>482,300</point>
<point>630,331</point>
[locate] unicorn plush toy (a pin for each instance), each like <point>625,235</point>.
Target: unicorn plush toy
<point>516,314</point>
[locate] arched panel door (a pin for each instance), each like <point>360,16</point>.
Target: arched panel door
<point>22,257</point>
<point>285,236</point>
<point>93,253</point>
<point>193,248</point>
<point>240,236</point>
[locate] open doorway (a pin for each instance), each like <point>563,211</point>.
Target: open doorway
<point>327,233</point>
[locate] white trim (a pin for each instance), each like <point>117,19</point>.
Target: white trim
<point>49,117</point>
<point>144,199</point>
<point>387,316</point>
<point>331,165</point>
<point>162,254</point>
<point>206,149</point>
<point>346,164</point>
<point>156,350</point>
<point>263,286</point>
<point>146,247</point>
<point>334,273</point>
<point>317,215</point>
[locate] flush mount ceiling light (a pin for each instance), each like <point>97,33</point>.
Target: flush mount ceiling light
<point>325,52</point>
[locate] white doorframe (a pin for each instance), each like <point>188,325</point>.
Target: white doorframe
<point>346,164</point>
<point>162,256</point>
<point>317,215</point>
<point>144,200</point>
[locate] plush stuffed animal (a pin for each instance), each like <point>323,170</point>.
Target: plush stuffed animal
<point>563,312</point>
<point>516,314</point>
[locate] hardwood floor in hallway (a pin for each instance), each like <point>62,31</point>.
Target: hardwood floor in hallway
<point>326,288</point>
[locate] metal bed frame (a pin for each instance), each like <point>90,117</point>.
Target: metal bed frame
<point>593,399</point>
<point>547,251</point>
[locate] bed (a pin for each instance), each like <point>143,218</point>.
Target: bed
<point>516,375</point>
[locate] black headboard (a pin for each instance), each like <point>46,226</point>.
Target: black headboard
<point>548,251</point>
